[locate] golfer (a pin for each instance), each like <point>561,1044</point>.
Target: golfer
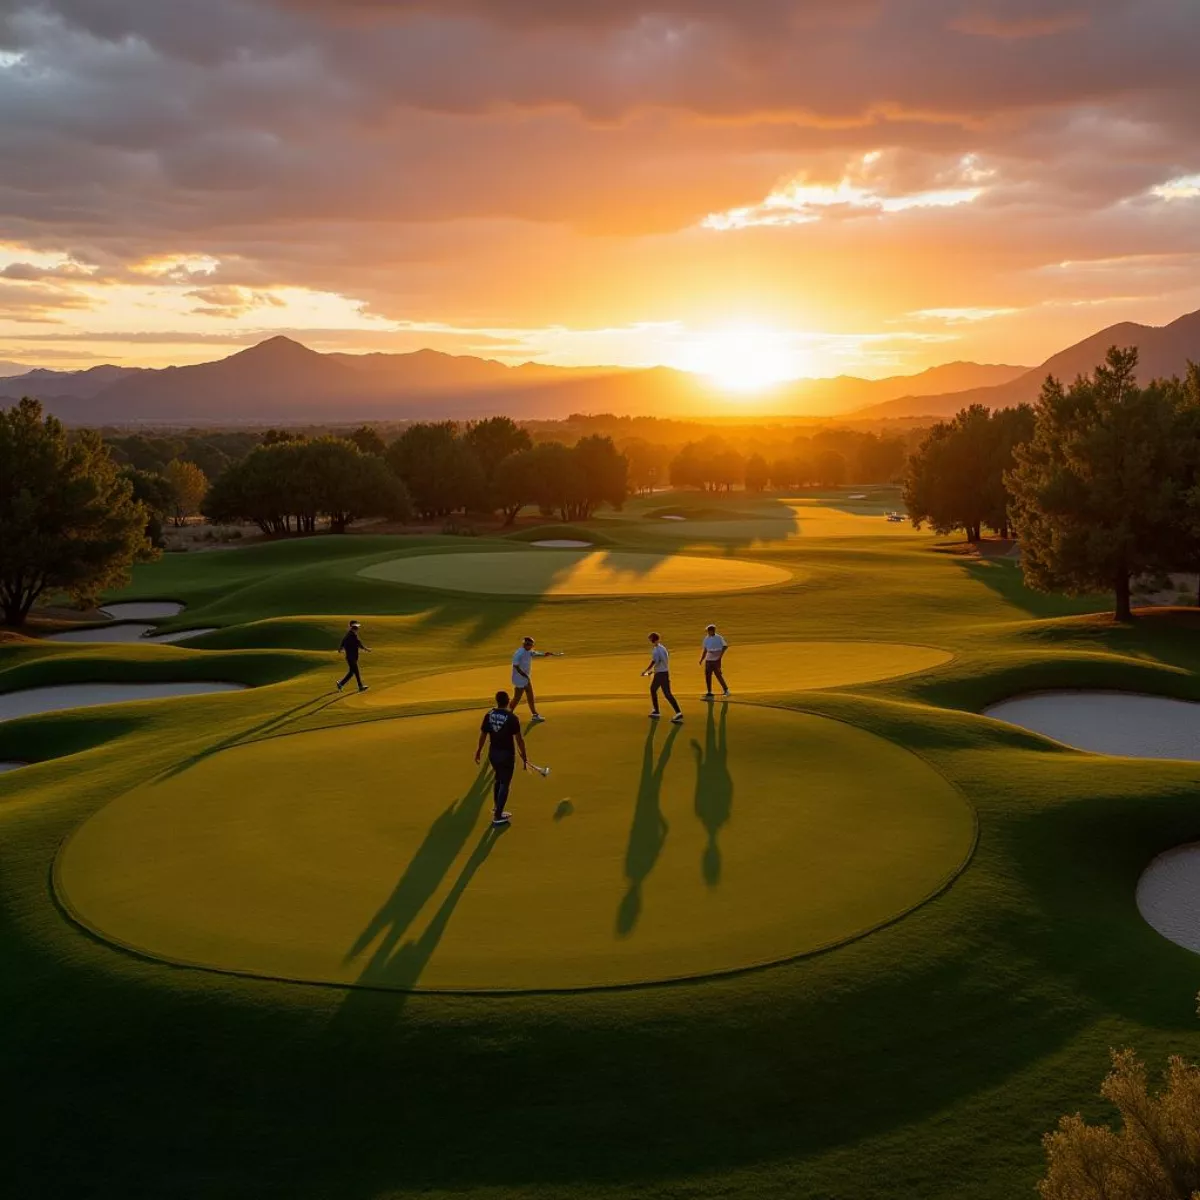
<point>502,728</point>
<point>351,645</point>
<point>712,651</point>
<point>522,668</point>
<point>660,668</point>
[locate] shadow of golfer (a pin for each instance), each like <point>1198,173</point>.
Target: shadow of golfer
<point>426,870</point>
<point>648,833</point>
<point>714,790</point>
<point>403,968</point>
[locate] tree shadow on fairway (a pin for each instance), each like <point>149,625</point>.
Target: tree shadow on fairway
<point>425,871</point>
<point>1005,578</point>
<point>648,833</point>
<point>265,729</point>
<point>714,789</point>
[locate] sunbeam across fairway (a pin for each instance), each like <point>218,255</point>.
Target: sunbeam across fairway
<point>573,573</point>
<point>753,668</point>
<point>296,857</point>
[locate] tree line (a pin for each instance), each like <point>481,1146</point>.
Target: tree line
<point>1100,480</point>
<point>432,469</point>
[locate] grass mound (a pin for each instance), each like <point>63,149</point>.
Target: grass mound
<point>751,836</point>
<point>766,667</point>
<point>542,533</point>
<point>577,573</point>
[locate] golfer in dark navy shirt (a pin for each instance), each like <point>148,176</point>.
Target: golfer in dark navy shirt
<point>503,729</point>
<point>351,645</point>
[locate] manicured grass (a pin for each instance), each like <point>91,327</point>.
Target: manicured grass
<point>752,836</point>
<point>922,1061</point>
<point>575,573</point>
<point>756,668</point>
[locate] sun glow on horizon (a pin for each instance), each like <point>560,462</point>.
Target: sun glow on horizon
<point>747,358</point>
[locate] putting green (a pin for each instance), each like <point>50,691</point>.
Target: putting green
<point>577,573</point>
<point>364,855</point>
<point>765,667</point>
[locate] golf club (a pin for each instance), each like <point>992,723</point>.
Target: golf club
<point>542,771</point>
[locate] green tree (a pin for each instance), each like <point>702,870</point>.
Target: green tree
<point>1186,540</point>
<point>439,469</point>
<point>368,440</point>
<point>880,459</point>
<point>515,484</point>
<point>188,488</point>
<point>758,474</point>
<point>829,466</point>
<point>952,480</point>
<point>153,491</point>
<point>494,440</point>
<point>647,463</point>
<point>1155,1155</point>
<point>68,519</point>
<point>1095,491</point>
<point>602,473</point>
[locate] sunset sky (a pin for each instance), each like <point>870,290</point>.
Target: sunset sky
<point>806,188</point>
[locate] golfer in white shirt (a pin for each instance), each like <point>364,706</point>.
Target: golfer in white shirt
<point>712,651</point>
<point>660,668</point>
<point>522,669</point>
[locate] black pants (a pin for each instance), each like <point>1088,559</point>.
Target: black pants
<point>662,683</point>
<point>351,673</point>
<point>502,781</point>
<point>711,669</point>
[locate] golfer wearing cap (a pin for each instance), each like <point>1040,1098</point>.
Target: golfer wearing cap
<point>522,668</point>
<point>351,645</point>
<point>712,650</point>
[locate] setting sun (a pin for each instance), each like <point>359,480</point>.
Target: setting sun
<point>747,358</point>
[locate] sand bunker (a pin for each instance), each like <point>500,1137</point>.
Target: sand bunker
<point>1168,895</point>
<point>1121,723</point>
<point>130,631</point>
<point>34,701</point>
<point>11,766</point>
<point>143,610</point>
<point>577,573</point>
<point>764,667</point>
<point>562,544</point>
<point>672,517</point>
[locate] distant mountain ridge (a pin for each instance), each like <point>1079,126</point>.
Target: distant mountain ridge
<point>1163,351</point>
<point>281,380</point>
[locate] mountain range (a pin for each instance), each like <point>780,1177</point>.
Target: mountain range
<point>1162,351</point>
<point>280,380</point>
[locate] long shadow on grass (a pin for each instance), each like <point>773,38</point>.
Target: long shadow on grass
<point>425,871</point>
<point>648,833</point>
<point>268,728</point>
<point>714,789</point>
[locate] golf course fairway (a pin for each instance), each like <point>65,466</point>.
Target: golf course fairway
<point>766,667</point>
<point>577,573</point>
<point>651,852</point>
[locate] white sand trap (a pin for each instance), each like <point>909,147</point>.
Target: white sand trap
<point>33,701</point>
<point>672,517</point>
<point>124,632</point>
<point>143,610</point>
<point>857,496</point>
<point>11,766</point>
<point>1168,895</point>
<point>1121,723</point>
<point>562,544</point>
